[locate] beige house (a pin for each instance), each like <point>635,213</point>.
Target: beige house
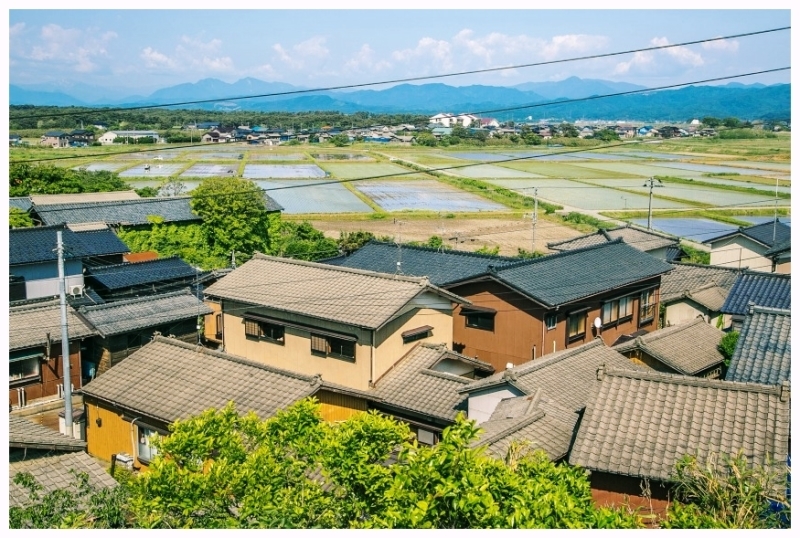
<point>752,248</point>
<point>349,325</point>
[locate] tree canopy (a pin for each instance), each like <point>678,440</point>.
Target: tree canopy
<point>25,179</point>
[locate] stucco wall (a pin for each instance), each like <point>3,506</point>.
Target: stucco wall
<point>738,252</point>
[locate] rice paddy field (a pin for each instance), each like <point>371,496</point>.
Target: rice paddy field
<point>424,195</point>
<point>366,170</point>
<point>264,171</point>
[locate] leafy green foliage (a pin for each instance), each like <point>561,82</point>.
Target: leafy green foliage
<point>696,255</point>
<point>18,218</point>
<point>425,139</point>
<point>727,345</point>
<point>81,506</point>
<point>302,241</point>
<point>185,240</point>
<point>25,179</point>
<point>527,254</point>
<point>727,492</point>
<point>433,241</point>
<point>340,140</point>
<point>352,241</point>
<point>580,218</point>
<point>491,251</point>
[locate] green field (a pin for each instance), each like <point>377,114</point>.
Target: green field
<point>563,170</point>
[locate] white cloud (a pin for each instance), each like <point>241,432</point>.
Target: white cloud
<point>191,54</point>
<point>70,47</point>
<point>640,61</point>
<point>364,60</point>
<point>728,45</point>
<point>683,55</point>
<point>16,30</point>
<point>155,60</point>
<point>311,52</point>
<point>573,43</point>
<point>436,51</point>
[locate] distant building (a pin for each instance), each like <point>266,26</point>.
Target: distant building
<point>109,137</point>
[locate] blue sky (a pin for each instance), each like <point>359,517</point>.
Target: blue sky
<point>147,49</point>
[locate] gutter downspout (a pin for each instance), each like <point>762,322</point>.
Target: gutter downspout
<point>134,452</point>
<point>372,359</point>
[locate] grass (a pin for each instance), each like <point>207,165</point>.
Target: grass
<point>565,170</point>
<point>733,176</point>
<point>727,216</point>
<point>732,188</point>
<point>770,149</point>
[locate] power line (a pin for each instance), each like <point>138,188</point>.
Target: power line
<point>427,77</point>
<point>490,111</point>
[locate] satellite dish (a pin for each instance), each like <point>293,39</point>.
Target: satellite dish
<point>598,323</point>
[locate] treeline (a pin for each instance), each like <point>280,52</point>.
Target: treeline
<point>23,117</point>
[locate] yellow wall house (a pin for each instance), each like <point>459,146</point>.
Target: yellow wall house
<point>348,325</point>
<point>167,380</point>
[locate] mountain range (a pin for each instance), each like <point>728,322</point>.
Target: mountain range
<point>753,101</point>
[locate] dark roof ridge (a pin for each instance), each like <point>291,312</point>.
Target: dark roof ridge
<point>114,202</point>
<point>515,426</point>
<point>750,272</point>
<point>692,381</point>
<point>441,251</point>
<point>563,254</point>
<point>559,243</point>
<point>134,300</point>
<point>62,226</point>
<point>668,331</point>
<point>104,268</point>
<point>754,308</point>
<point>312,379</point>
<point>35,305</point>
<point>638,228</point>
<point>446,375</point>
<point>707,266</point>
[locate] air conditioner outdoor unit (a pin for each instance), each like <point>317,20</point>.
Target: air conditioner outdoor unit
<point>76,291</point>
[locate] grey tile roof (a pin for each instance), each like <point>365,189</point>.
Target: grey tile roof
<point>764,351</point>
<point>29,324</point>
<point>56,472</point>
<point>759,232</point>
<point>20,202</point>
<point>694,280</point>
<point>534,421</point>
<point>168,380</point>
<point>576,274</point>
<point>689,348</point>
<point>129,212</point>
<point>640,239</point>
<point>23,433</point>
<point>126,275</point>
<point>640,424</point>
<point>83,197</point>
<point>133,314</point>
<point>770,290</point>
<point>779,247</point>
<point>361,298</point>
<point>38,244</point>
<point>567,376</point>
<point>413,385</point>
<point>440,266</point>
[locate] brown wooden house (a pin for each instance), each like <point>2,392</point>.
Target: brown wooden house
<point>36,368</point>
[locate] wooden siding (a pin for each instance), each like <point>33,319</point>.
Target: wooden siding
<point>113,435</point>
<point>336,407</point>
<point>52,375</point>
<point>618,491</point>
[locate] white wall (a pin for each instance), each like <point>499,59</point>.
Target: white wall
<point>481,404</point>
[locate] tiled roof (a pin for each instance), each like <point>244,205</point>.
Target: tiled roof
<point>168,380</point>
<point>780,247</point>
<point>640,239</point>
<point>689,348</point>
<point>361,298</point>
<point>440,266</point>
<point>575,274</point>
<point>134,314</point>
<point>760,232</point>
<point>20,202</point>
<point>23,433</point>
<point>126,275</point>
<point>535,421</point>
<point>83,197</point>
<point>413,385</point>
<point>764,350</point>
<point>38,244</point>
<point>566,376</point>
<point>129,212</point>
<point>29,324</point>
<point>641,423</point>
<point>686,279</point>
<point>770,290</point>
<point>56,472</point>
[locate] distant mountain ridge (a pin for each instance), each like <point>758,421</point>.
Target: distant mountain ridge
<point>734,99</point>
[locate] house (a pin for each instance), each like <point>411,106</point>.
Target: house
<point>770,290</point>
<point>465,120</point>
<point>147,278</point>
<point>217,136</point>
<point>33,259</point>
<point>51,458</point>
<point>55,139</point>
<point>662,246</point>
<point>167,380</point>
<point>764,350</point>
<point>349,325</point>
<point>81,136</point>
<point>126,325</point>
<point>688,349</point>
<point>747,247</point>
<point>439,132</point>
<point>36,365</point>
<point>115,213</point>
<point>692,290</point>
<point>444,119</point>
<point>638,425</point>
<point>110,137</point>
<point>781,256</point>
<point>14,139</point>
<point>489,123</point>
<point>83,197</point>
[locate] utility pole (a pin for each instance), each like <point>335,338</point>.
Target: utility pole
<point>62,291</point>
<point>651,183</point>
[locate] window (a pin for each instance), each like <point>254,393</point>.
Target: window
<point>25,367</point>
<point>481,320</point>
<point>419,333</point>
<point>426,437</point>
<point>330,346</point>
<point>576,325</point>
<point>145,448</point>
<point>647,306</point>
<point>263,330</point>
<point>218,326</point>
<point>550,321</point>
<point>617,310</point>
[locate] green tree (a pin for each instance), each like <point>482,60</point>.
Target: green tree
<point>568,130</point>
<point>352,241</point>
<point>185,240</point>
<point>712,122</point>
<point>25,179</point>
<point>606,135</point>
<point>234,217</point>
<point>425,139</point>
<point>340,140</point>
<point>18,218</point>
<point>727,345</point>
<point>731,123</point>
<point>459,131</point>
<point>303,242</point>
<point>490,251</point>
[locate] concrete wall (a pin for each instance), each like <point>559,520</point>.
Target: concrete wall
<point>481,404</point>
<point>41,279</point>
<point>686,311</point>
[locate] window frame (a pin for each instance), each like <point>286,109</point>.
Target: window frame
<point>30,358</point>
<point>647,307</point>
<point>551,321</point>
<point>151,450</point>
<point>420,333</point>
<point>327,345</point>
<point>617,315</point>
<point>580,317</point>
<point>265,331</point>
<point>472,320</point>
